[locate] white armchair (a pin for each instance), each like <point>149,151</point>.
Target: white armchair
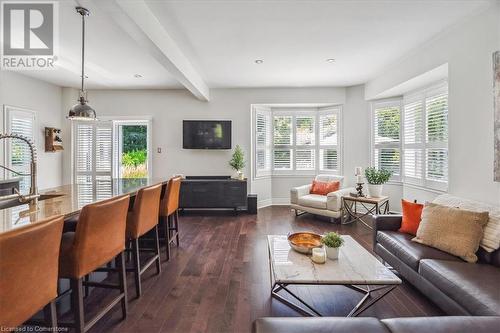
<point>329,205</point>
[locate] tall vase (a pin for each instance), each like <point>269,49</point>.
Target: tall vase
<point>375,191</point>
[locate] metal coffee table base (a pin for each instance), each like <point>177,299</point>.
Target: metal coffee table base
<point>366,302</point>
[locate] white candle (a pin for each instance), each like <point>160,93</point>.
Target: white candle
<point>359,179</point>
<point>358,171</point>
<point>318,255</point>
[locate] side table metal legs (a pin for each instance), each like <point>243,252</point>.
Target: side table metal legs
<point>350,210</point>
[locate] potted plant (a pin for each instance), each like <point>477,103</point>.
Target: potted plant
<point>237,162</point>
<point>332,242</point>
<point>376,180</point>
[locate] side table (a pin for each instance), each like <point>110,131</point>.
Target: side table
<point>371,206</point>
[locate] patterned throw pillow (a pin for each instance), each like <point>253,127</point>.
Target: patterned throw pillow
<point>323,188</point>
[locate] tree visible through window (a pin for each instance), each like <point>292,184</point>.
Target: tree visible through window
<point>134,151</point>
<point>386,125</point>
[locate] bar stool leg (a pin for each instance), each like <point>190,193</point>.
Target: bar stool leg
<point>167,236</point>
<point>137,267</point>
<point>120,261</point>
<point>158,261</point>
<point>50,315</point>
<point>177,227</point>
<point>77,304</point>
<point>86,288</point>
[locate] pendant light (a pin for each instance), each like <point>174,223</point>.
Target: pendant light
<point>81,110</point>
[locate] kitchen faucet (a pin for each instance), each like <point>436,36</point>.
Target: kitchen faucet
<point>33,195</point>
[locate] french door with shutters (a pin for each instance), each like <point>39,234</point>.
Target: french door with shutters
<point>93,159</point>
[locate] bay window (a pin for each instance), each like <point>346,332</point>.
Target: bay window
<point>296,141</point>
<point>410,137</point>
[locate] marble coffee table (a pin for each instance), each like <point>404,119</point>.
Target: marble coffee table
<point>356,268</point>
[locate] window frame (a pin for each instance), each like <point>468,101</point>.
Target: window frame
<point>422,96</point>
<point>295,112</point>
<point>387,145</point>
<point>266,147</point>
<point>93,173</point>
<point>8,112</point>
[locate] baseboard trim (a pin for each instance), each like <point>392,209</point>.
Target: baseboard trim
<point>264,203</point>
<point>273,202</point>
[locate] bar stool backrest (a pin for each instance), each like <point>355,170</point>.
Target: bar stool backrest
<point>100,234</point>
<point>145,212</point>
<point>170,202</point>
<point>29,259</point>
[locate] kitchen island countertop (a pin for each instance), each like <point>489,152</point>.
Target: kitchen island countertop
<point>69,199</point>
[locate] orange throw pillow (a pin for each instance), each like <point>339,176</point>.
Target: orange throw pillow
<point>323,188</point>
<point>412,215</point>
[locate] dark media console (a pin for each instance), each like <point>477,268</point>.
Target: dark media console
<point>208,192</point>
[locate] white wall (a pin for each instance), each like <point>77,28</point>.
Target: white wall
<point>468,49</point>
<point>45,99</point>
<point>169,107</point>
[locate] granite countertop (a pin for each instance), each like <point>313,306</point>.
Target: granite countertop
<point>68,199</point>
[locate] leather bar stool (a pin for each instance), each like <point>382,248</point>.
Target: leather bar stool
<point>169,212</point>
<point>142,219</point>
<point>98,239</point>
<point>29,259</point>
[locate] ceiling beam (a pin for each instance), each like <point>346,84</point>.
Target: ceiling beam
<point>137,19</point>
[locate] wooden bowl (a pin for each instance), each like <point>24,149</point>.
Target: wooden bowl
<point>304,242</point>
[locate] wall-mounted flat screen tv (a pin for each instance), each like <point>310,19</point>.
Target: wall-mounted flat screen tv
<point>206,134</point>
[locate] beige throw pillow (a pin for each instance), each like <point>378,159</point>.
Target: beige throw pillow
<point>452,230</point>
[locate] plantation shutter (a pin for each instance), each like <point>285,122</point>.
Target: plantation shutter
<point>437,137</point>
<point>328,142</point>
<point>413,144</point>
<point>93,159</point>
<point>20,122</point>
<point>84,150</point>
<point>283,141</point>
<point>425,136</point>
<point>262,141</point>
<point>386,137</point>
<point>305,139</point>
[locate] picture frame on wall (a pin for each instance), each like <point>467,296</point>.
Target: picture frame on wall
<point>496,93</point>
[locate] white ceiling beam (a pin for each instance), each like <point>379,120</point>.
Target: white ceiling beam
<point>137,19</point>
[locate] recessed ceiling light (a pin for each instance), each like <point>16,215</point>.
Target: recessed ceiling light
<point>330,60</point>
<point>259,61</point>
<point>137,76</point>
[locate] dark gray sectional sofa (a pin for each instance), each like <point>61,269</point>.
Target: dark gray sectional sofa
<point>373,325</point>
<point>457,287</point>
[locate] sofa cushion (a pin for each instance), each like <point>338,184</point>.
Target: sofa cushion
<point>453,230</point>
<point>475,287</point>
<point>491,237</point>
<point>410,252</point>
<point>319,325</point>
<point>313,200</point>
<point>443,324</point>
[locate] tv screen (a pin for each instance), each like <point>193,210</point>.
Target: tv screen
<point>206,134</point>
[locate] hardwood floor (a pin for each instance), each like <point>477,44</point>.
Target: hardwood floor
<point>218,279</point>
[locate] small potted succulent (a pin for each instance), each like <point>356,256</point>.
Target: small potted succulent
<point>376,180</point>
<point>332,242</point>
<point>237,161</point>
